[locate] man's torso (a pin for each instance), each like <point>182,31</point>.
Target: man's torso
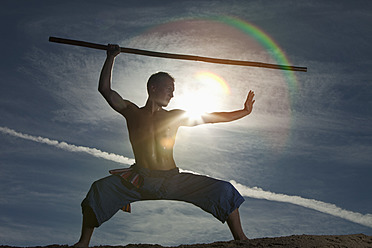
<point>152,136</point>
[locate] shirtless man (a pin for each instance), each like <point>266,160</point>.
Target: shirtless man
<point>152,133</point>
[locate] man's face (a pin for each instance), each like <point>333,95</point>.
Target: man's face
<point>163,92</point>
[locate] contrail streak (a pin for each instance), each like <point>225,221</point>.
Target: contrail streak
<point>328,208</point>
<point>69,147</point>
<point>255,192</point>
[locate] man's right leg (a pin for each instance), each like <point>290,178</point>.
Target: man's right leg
<point>86,234</point>
<point>105,197</point>
<point>88,225</point>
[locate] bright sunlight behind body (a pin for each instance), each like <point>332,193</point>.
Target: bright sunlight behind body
<point>206,96</point>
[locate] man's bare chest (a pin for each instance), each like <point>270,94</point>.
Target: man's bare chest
<point>158,126</point>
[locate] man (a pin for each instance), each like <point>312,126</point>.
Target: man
<point>152,133</point>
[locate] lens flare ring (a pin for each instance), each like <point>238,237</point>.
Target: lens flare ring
<point>281,134</point>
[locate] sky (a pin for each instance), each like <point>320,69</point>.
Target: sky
<point>302,159</point>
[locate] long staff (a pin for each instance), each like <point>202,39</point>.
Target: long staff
<point>178,56</point>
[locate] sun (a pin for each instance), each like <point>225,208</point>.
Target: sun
<point>205,95</point>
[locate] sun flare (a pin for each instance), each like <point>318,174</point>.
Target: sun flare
<point>206,94</point>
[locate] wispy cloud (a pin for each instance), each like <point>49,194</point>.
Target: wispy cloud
<point>253,192</point>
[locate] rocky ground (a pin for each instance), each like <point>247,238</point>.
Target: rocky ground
<point>354,240</point>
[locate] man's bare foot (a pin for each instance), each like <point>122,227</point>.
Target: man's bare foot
<point>86,234</point>
<point>81,245</point>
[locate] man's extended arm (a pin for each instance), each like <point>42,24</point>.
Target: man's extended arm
<point>104,87</point>
<point>217,117</point>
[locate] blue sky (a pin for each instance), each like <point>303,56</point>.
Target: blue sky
<point>302,159</point>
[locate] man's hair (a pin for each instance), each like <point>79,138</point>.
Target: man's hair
<point>158,78</point>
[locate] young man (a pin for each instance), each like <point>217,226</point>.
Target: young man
<point>152,132</point>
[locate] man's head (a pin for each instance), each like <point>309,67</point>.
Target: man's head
<point>160,87</point>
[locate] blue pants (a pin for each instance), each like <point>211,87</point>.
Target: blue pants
<point>110,194</point>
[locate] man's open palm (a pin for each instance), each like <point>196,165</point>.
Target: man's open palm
<point>248,105</point>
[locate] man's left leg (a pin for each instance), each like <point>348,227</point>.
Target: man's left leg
<point>233,221</point>
<point>220,198</point>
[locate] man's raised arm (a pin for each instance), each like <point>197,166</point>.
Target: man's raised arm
<point>217,117</point>
<point>104,87</point>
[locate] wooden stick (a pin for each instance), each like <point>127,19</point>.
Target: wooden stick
<point>178,56</point>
